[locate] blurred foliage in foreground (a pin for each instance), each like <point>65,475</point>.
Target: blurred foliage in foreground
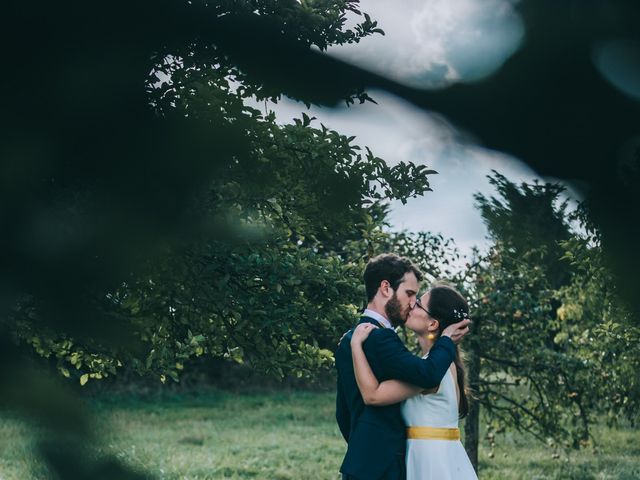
<point>150,214</point>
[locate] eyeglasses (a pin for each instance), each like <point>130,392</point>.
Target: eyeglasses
<point>419,305</point>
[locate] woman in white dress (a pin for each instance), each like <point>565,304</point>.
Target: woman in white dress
<point>434,450</point>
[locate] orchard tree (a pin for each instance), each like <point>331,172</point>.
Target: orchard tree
<point>526,217</point>
<point>598,326</point>
<point>532,357</point>
<point>279,291</point>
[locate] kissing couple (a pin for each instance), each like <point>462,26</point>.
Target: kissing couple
<point>397,411</point>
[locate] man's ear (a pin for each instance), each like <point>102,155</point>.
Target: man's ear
<point>385,289</point>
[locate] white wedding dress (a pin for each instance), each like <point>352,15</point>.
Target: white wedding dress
<point>430,459</point>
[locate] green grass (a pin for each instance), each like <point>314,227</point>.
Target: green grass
<point>617,456</point>
<point>283,436</point>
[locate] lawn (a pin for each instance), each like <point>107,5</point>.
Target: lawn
<point>221,435</point>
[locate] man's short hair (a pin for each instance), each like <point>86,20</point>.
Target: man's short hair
<point>389,267</point>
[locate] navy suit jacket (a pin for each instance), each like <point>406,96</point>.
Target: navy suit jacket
<point>377,435</point>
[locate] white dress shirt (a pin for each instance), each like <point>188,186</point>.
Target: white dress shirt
<point>377,317</point>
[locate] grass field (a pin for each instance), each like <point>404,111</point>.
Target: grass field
<point>221,435</point>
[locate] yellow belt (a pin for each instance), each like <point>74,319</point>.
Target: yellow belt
<point>433,433</point>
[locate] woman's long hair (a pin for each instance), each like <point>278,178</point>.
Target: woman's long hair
<point>448,306</point>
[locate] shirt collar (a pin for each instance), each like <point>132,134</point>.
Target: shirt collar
<point>377,317</point>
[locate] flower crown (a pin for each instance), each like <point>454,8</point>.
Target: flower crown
<point>460,314</point>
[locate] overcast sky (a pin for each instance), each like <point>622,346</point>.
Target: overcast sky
<point>429,43</point>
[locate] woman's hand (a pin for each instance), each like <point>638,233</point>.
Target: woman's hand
<point>361,333</point>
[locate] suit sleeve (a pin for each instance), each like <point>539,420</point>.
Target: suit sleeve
<point>396,362</point>
<point>343,415</point>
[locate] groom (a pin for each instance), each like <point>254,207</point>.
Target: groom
<point>376,435</point>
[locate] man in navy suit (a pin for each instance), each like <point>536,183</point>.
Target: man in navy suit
<point>376,436</point>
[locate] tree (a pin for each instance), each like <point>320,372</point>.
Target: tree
<point>288,282</point>
<point>529,217</point>
<point>530,363</point>
<point>598,326</point>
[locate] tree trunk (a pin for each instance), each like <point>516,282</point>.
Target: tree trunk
<point>472,421</point>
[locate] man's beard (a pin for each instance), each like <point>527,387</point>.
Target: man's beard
<point>394,311</point>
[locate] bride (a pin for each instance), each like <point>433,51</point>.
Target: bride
<point>434,450</point>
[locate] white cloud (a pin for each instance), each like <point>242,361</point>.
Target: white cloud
<point>435,42</point>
